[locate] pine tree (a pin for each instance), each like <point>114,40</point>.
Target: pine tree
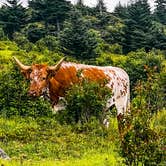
<point>120,11</point>
<point>80,3</point>
<point>100,7</point>
<point>13,17</point>
<point>52,12</point>
<point>160,11</point>
<point>81,7</point>
<point>76,39</point>
<point>138,26</point>
<point>158,39</point>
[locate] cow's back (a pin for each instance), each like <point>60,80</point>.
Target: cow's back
<point>117,80</point>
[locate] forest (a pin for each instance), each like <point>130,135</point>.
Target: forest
<point>132,37</point>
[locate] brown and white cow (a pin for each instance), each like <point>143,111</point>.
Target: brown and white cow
<point>54,80</point>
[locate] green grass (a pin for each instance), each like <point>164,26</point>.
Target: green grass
<point>44,141</point>
<point>99,159</point>
<point>158,122</point>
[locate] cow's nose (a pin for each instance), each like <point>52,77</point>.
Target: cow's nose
<point>32,93</point>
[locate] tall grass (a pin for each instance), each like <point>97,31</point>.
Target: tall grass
<point>44,141</point>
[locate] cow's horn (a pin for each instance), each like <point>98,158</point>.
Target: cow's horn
<point>57,66</point>
<point>22,66</point>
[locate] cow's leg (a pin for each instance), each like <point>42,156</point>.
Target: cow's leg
<point>109,104</point>
<point>121,106</point>
<point>60,105</point>
<point>123,110</point>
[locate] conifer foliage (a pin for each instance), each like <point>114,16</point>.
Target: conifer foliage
<point>52,12</point>
<point>13,17</point>
<point>138,26</point>
<point>160,11</point>
<point>77,40</point>
<point>132,26</point>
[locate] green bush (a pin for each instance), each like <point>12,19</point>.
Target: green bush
<point>141,143</point>
<point>116,49</point>
<point>2,34</point>
<point>85,101</point>
<point>2,45</point>
<point>135,63</point>
<point>23,42</point>
<point>9,45</point>
<point>14,99</point>
<point>49,42</point>
<point>150,94</point>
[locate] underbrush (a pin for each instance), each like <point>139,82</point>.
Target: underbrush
<point>44,141</point>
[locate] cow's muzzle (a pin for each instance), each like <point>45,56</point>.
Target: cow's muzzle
<point>32,93</point>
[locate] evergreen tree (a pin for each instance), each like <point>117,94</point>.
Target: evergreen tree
<point>82,8</point>
<point>100,7</point>
<point>160,11</point>
<point>34,31</point>
<point>80,3</point>
<point>13,17</point>
<point>77,40</point>
<point>158,39</point>
<point>138,26</point>
<point>120,11</point>
<point>52,12</point>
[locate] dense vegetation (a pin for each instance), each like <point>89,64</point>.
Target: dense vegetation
<point>132,37</point>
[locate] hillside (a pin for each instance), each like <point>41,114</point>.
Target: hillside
<point>32,135</point>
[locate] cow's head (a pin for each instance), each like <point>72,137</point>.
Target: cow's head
<point>39,75</point>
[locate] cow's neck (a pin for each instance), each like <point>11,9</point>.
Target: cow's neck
<point>54,91</point>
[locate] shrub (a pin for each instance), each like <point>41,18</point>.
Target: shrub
<point>116,49</point>
<point>23,42</point>
<point>85,101</point>
<point>2,46</point>
<point>135,62</point>
<point>142,144</point>
<point>14,99</point>
<point>2,34</point>
<point>150,94</point>
<point>48,42</point>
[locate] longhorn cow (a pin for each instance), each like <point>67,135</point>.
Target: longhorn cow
<point>55,80</point>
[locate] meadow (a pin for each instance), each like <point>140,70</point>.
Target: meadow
<point>31,134</point>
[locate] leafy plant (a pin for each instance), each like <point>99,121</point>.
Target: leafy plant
<point>141,143</point>
<point>14,99</point>
<point>85,101</point>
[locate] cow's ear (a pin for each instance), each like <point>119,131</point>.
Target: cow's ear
<point>26,73</point>
<point>52,70</point>
<point>51,73</point>
<point>25,70</point>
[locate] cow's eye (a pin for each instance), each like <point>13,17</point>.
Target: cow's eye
<point>43,78</point>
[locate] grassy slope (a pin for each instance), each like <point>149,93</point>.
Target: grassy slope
<point>74,148</point>
<point>30,143</point>
<point>27,141</point>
